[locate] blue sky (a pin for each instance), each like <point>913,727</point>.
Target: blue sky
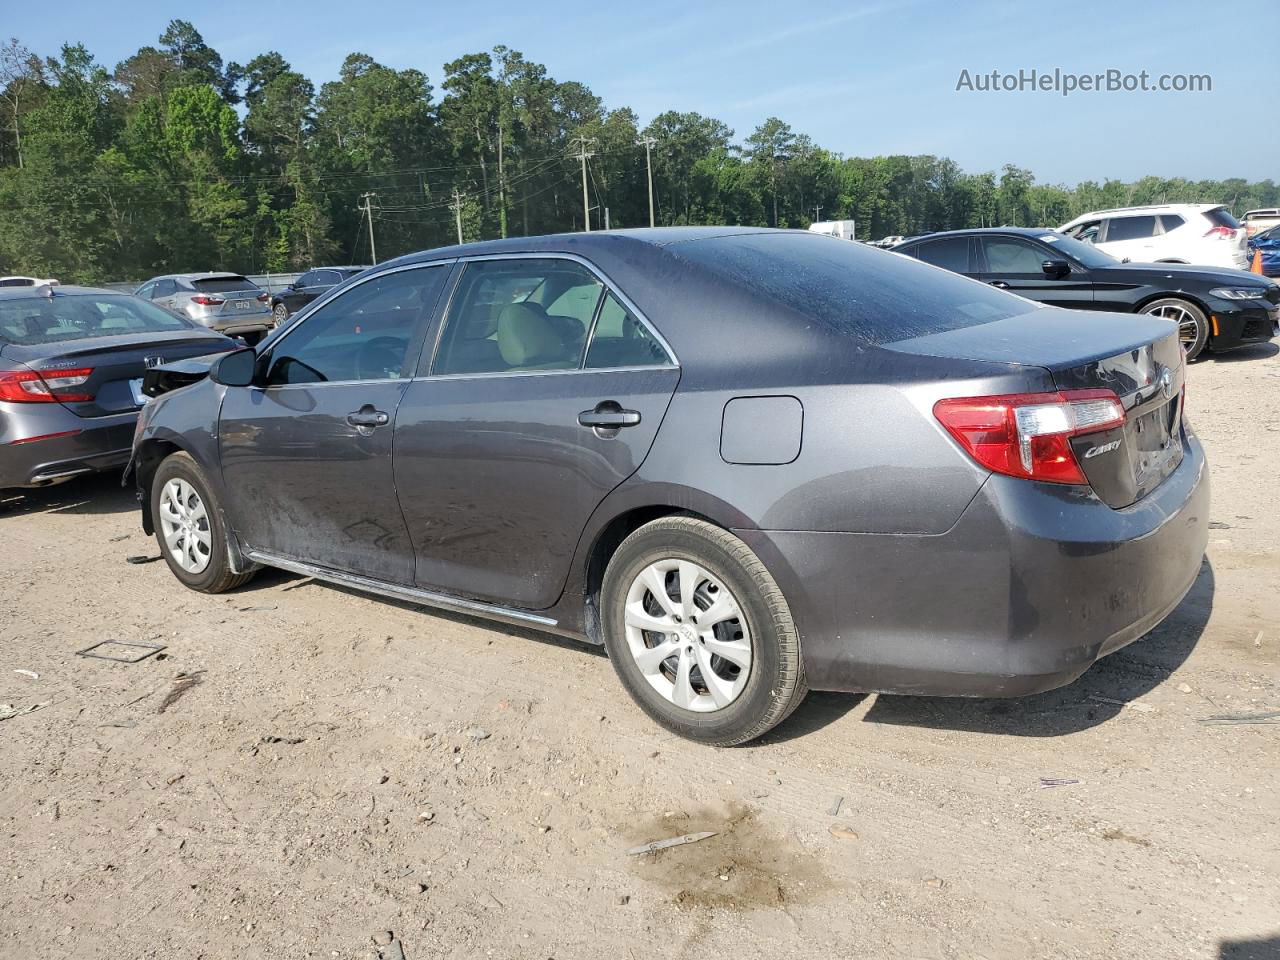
<point>864,78</point>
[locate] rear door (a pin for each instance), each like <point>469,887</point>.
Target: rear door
<point>545,392</point>
<point>307,455</point>
<point>1133,237</point>
<point>950,253</point>
<point>1016,264</point>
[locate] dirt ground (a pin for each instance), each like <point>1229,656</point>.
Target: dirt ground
<point>307,772</point>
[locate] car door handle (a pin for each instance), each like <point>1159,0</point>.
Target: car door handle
<point>999,283</point>
<point>366,416</point>
<point>609,416</point>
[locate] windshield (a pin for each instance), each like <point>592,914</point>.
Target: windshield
<point>36,320</point>
<point>1085,253</point>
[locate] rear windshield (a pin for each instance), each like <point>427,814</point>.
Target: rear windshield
<point>877,296</point>
<point>36,320</point>
<point>223,284</point>
<point>1221,217</point>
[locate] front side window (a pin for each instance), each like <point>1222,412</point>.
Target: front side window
<point>165,288</point>
<point>364,334</point>
<point>1131,228</point>
<point>146,291</point>
<point>1006,255</point>
<point>511,315</point>
<point>326,278</point>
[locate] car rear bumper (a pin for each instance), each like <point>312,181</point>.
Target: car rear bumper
<point>1031,586</point>
<point>71,446</point>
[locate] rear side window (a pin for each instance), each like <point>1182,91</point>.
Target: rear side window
<point>1170,222</point>
<point>511,315</point>
<point>950,253</point>
<point>1131,228</point>
<point>620,340</point>
<point>869,293</point>
<point>1221,217</point>
<point>37,320</point>
<point>223,284</point>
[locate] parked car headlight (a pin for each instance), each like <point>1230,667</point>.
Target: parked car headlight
<point>1239,293</point>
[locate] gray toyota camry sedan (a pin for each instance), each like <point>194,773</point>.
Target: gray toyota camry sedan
<point>749,463</point>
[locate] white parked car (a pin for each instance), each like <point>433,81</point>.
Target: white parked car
<point>1199,233</point>
<point>17,281</point>
<point>1258,221</point>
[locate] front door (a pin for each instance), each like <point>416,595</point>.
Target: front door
<point>1016,264</point>
<point>545,393</point>
<point>306,456</point>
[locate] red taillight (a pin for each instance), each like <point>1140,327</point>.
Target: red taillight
<point>1222,233</point>
<point>53,386</point>
<point>1029,434</point>
<point>46,436</point>
<point>207,301</point>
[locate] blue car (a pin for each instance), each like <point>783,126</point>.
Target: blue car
<point>1269,243</point>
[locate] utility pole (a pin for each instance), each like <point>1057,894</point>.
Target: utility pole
<point>457,211</point>
<point>647,143</point>
<point>584,156</point>
<point>817,213</point>
<point>367,209</point>
<point>606,218</point>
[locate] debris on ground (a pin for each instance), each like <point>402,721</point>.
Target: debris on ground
<point>141,558</point>
<point>834,811</point>
<point>117,539</point>
<point>383,938</point>
<point>28,673</point>
<point>670,842</point>
<point>1184,688</point>
<point>104,649</point>
<point>289,740</point>
<point>261,609</point>
<point>8,711</point>
<point>182,683</point>
<point>478,733</point>
<point>1271,716</point>
<point>1057,782</point>
<point>842,832</point>
<point>394,951</point>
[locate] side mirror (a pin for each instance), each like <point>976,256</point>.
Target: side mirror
<point>1055,269</point>
<point>235,369</point>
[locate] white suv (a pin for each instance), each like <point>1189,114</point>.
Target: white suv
<point>1199,233</point>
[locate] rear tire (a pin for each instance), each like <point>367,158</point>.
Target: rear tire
<point>746,643</point>
<point>189,527</point>
<point>280,313</point>
<point>1193,325</point>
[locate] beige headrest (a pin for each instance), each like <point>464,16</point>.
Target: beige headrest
<point>525,335</point>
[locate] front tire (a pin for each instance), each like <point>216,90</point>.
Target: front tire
<point>280,312</point>
<point>1193,325</point>
<point>189,527</point>
<point>699,632</point>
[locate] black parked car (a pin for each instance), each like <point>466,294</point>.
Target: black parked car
<point>1215,308</point>
<point>748,462</point>
<point>311,285</point>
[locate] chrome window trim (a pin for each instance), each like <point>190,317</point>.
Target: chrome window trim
<point>609,288</point>
<point>339,291</point>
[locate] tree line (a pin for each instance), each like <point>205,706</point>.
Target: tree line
<point>175,160</point>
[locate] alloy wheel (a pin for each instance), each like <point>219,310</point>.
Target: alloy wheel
<point>688,635</point>
<point>184,524</point>
<point>1188,323</point>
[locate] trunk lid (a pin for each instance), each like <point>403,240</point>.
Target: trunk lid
<point>1136,356</point>
<point>118,364</point>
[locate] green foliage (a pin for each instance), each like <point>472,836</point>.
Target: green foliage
<point>151,168</point>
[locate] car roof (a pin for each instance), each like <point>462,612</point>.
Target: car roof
<point>982,231</point>
<point>62,290</point>
<point>1150,208</point>
<point>204,275</point>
